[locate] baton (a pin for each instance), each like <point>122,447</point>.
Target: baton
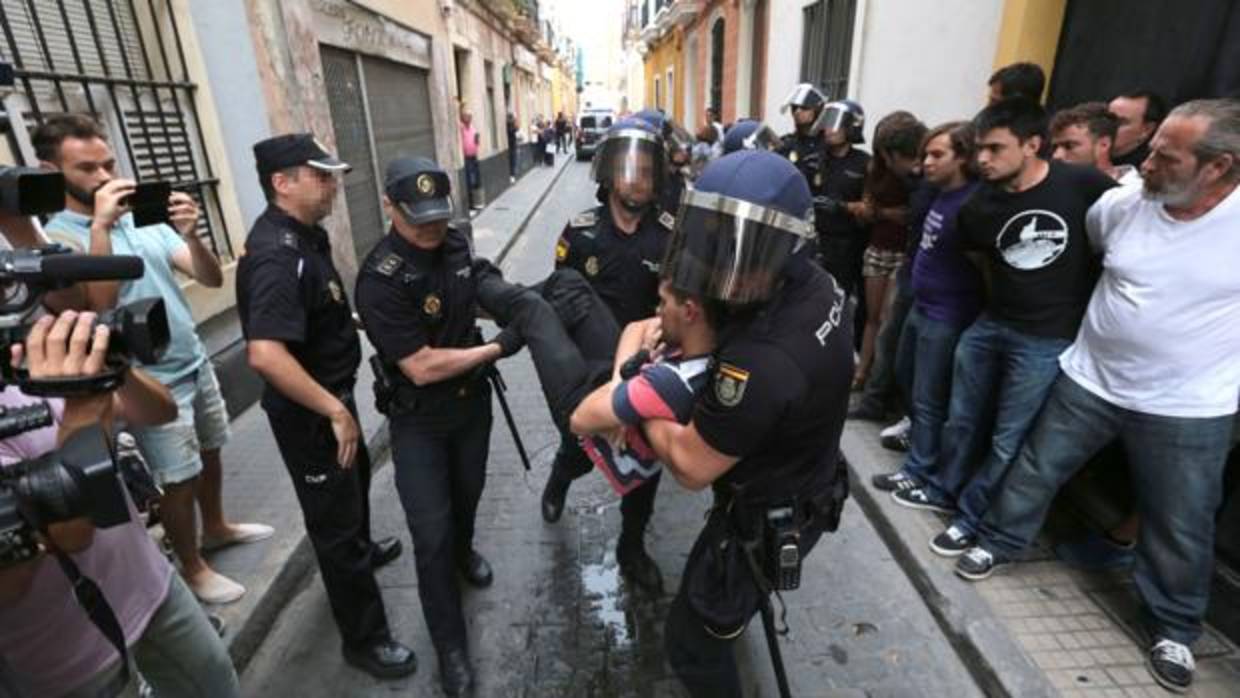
<point>497,381</point>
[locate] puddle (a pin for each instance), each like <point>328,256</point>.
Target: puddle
<point>601,586</point>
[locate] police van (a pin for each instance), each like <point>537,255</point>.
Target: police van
<point>591,127</point>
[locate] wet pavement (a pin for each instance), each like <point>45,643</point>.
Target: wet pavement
<point>559,620</point>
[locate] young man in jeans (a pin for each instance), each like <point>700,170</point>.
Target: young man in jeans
<point>1157,365</point>
<point>184,454</point>
<point>1027,225</point>
<point>49,644</point>
<point>947,296</point>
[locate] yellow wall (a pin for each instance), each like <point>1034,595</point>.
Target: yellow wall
<point>666,53</point>
<point>1030,32</point>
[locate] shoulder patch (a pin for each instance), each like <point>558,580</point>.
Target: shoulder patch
<point>730,382</point>
<point>389,265</point>
<point>289,239</point>
<point>561,249</point>
<point>667,220</point>
<point>585,219</point>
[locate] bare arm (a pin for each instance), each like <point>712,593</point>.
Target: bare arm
<point>194,258</point>
<point>144,401</point>
<point>692,461</point>
<point>102,295</point>
<point>595,415</point>
<point>431,365</point>
<point>272,360</point>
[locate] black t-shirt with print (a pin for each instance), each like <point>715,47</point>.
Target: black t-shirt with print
<point>1042,268</point>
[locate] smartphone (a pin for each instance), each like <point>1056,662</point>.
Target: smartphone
<point>149,203</point>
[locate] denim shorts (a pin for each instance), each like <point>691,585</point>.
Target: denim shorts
<point>173,450</point>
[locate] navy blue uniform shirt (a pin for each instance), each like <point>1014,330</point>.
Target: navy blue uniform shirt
<point>623,269</point>
<point>288,290</point>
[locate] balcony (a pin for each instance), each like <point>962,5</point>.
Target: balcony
<point>682,12</point>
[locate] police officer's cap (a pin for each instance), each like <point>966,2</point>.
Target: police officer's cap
<point>293,149</point>
<point>749,134</point>
<point>419,189</point>
<point>758,177</point>
<point>654,117</point>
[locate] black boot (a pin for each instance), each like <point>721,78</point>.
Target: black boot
<point>553,496</point>
<point>636,564</point>
<point>455,672</point>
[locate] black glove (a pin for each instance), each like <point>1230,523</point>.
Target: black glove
<point>509,340</point>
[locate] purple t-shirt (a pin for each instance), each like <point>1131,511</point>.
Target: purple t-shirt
<point>45,637</point>
<point>947,287</point>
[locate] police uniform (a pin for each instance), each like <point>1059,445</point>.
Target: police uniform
<point>776,398</point>
<point>805,151</point>
<point>409,298</point>
<point>841,239</point>
<point>289,291</point>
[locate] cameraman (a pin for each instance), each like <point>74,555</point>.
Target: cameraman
<point>49,643</point>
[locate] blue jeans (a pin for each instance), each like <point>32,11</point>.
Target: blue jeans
<point>1177,476</point>
<point>933,343</point>
<point>1002,372</point>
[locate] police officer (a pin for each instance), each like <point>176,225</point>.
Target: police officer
<point>838,188</point>
<point>765,430</point>
<point>416,294</point>
<point>803,146</point>
<point>303,342</point>
<point>618,247</point>
<point>678,145</point>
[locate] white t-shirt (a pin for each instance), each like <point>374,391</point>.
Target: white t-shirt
<point>1162,332</point>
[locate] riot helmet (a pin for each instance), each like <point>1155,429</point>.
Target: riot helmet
<point>843,115</point>
<point>748,134</point>
<point>750,212</point>
<point>804,96</point>
<point>630,162</point>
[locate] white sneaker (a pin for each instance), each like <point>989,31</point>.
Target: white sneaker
<point>898,429</point>
<point>242,533</point>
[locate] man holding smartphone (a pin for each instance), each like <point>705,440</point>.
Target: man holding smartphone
<point>184,454</point>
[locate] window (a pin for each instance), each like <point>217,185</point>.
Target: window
<point>827,45</point>
<point>716,68</point>
<point>671,91</point>
<point>658,94</point>
<point>122,63</point>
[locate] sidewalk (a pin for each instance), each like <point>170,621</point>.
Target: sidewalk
<point>1038,628</point>
<point>257,487</point>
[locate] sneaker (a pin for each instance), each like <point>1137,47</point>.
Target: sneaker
<point>978,563</point>
<point>952,542</point>
<point>895,437</point>
<point>900,427</point>
<point>920,498</point>
<point>890,482</point>
<point>1171,664</point>
<point>211,587</point>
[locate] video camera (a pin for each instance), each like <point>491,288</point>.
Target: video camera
<point>77,480</point>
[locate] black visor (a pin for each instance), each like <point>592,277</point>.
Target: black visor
<point>731,250</point>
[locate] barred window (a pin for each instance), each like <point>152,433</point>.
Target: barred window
<point>826,47</point>
<point>121,61</point>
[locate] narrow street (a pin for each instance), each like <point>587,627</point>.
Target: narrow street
<point>560,622</point>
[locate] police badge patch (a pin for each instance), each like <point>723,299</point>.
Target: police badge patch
<point>425,184</point>
<point>730,383</point>
<point>792,157</point>
<point>592,266</point>
<point>337,292</point>
<point>667,220</point>
<point>432,305</point>
<point>561,250</point>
